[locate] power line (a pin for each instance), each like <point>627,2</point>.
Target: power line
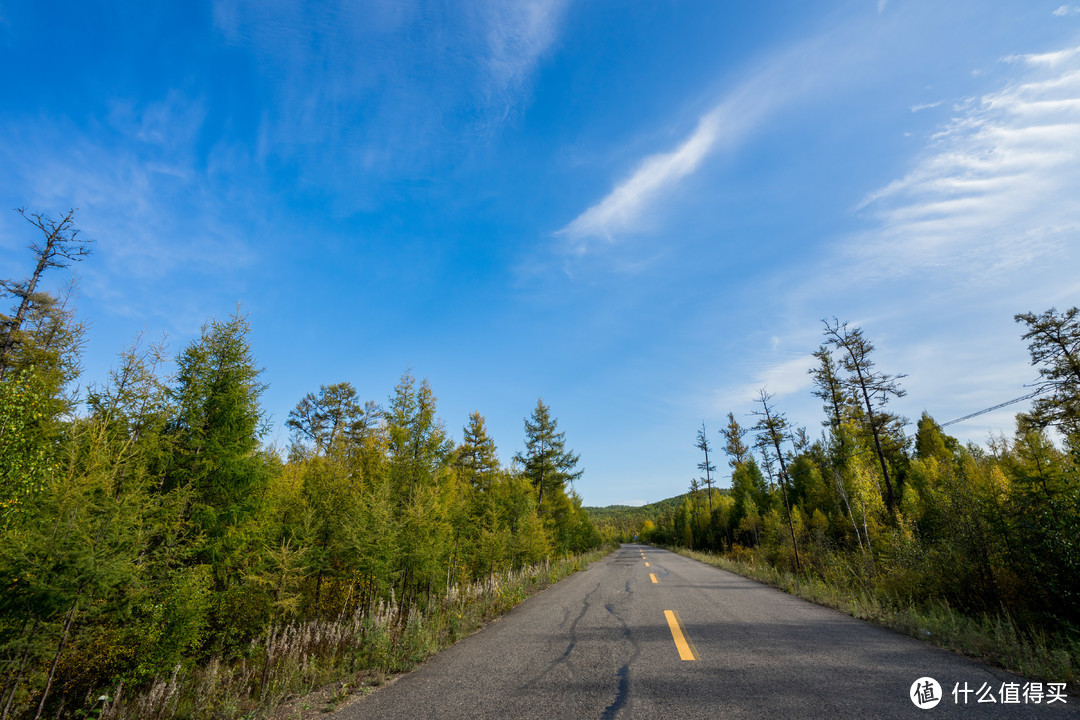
<point>991,409</point>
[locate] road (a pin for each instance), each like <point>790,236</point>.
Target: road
<point>645,633</point>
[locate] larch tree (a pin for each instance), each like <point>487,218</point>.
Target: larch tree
<point>736,449</point>
<point>1054,344</point>
<point>546,461</point>
<point>706,466</point>
<point>871,388</point>
<point>829,387</point>
<point>475,457</point>
<point>59,247</point>
<point>772,429</point>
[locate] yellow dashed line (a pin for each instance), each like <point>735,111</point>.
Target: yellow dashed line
<point>653,578</point>
<point>686,649</point>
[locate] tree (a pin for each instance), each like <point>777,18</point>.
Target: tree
<point>417,442</point>
<point>736,450</point>
<point>830,388</point>
<point>476,458</point>
<point>216,433</point>
<point>60,247</point>
<point>709,468</point>
<point>546,461</point>
<point>1054,344</point>
<point>872,387</point>
<point>772,429</point>
<point>332,415</point>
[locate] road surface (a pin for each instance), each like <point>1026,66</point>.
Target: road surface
<point>645,633</point>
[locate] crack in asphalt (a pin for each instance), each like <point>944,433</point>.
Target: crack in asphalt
<point>570,646</point>
<point>622,692</point>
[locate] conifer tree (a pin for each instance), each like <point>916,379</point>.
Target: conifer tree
<point>417,442</point>
<point>872,388</point>
<point>59,247</point>
<point>476,458</point>
<point>708,467</point>
<point>829,387</point>
<point>1054,344</point>
<point>216,434</point>
<point>736,449</point>
<point>546,461</point>
<point>332,415</point>
<point>772,429</point>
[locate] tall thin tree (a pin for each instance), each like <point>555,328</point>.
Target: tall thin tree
<point>772,429</point>
<point>704,446</point>
<point>872,387</point>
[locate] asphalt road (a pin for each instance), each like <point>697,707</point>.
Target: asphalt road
<point>698,642</point>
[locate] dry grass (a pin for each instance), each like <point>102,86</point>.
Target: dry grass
<point>315,666</point>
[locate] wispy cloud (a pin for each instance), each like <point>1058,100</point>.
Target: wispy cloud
<point>518,34</point>
<point>801,70</point>
<point>154,214</point>
<point>354,90</point>
<point>623,206</point>
<point>925,106</point>
<point>1066,10</point>
<point>623,209</point>
<point>996,186</point>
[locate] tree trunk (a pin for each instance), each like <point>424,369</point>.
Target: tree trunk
<point>56,658</point>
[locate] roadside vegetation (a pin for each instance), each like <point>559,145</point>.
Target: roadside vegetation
<point>974,548</point>
<point>158,560</point>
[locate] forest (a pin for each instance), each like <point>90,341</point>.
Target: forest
<point>158,559</point>
<point>913,524</point>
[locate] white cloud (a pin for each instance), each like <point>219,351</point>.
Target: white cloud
<point>781,80</point>
<point>1064,10</point>
<point>780,379</point>
<point>925,106</point>
<point>995,187</point>
<point>519,33</point>
<point>1049,59</point>
<point>623,206</point>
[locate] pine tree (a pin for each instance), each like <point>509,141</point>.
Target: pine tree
<point>330,416</point>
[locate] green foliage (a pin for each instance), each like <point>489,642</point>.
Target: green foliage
<point>1054,344</point>
<point>546,461</point>
<point>27,448</point>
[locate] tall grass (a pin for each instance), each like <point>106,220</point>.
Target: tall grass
<point>995,639</point>
<point>358,651</point>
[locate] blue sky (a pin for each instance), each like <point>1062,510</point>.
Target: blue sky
<point>639,211</point>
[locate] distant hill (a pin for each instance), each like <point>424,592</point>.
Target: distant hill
<point>652,511</point>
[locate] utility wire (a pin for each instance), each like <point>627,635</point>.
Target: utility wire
<point>991,409</point>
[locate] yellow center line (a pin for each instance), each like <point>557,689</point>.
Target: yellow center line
<point>646,564</point>
<point>653,578</point>
<point>686,648</point>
